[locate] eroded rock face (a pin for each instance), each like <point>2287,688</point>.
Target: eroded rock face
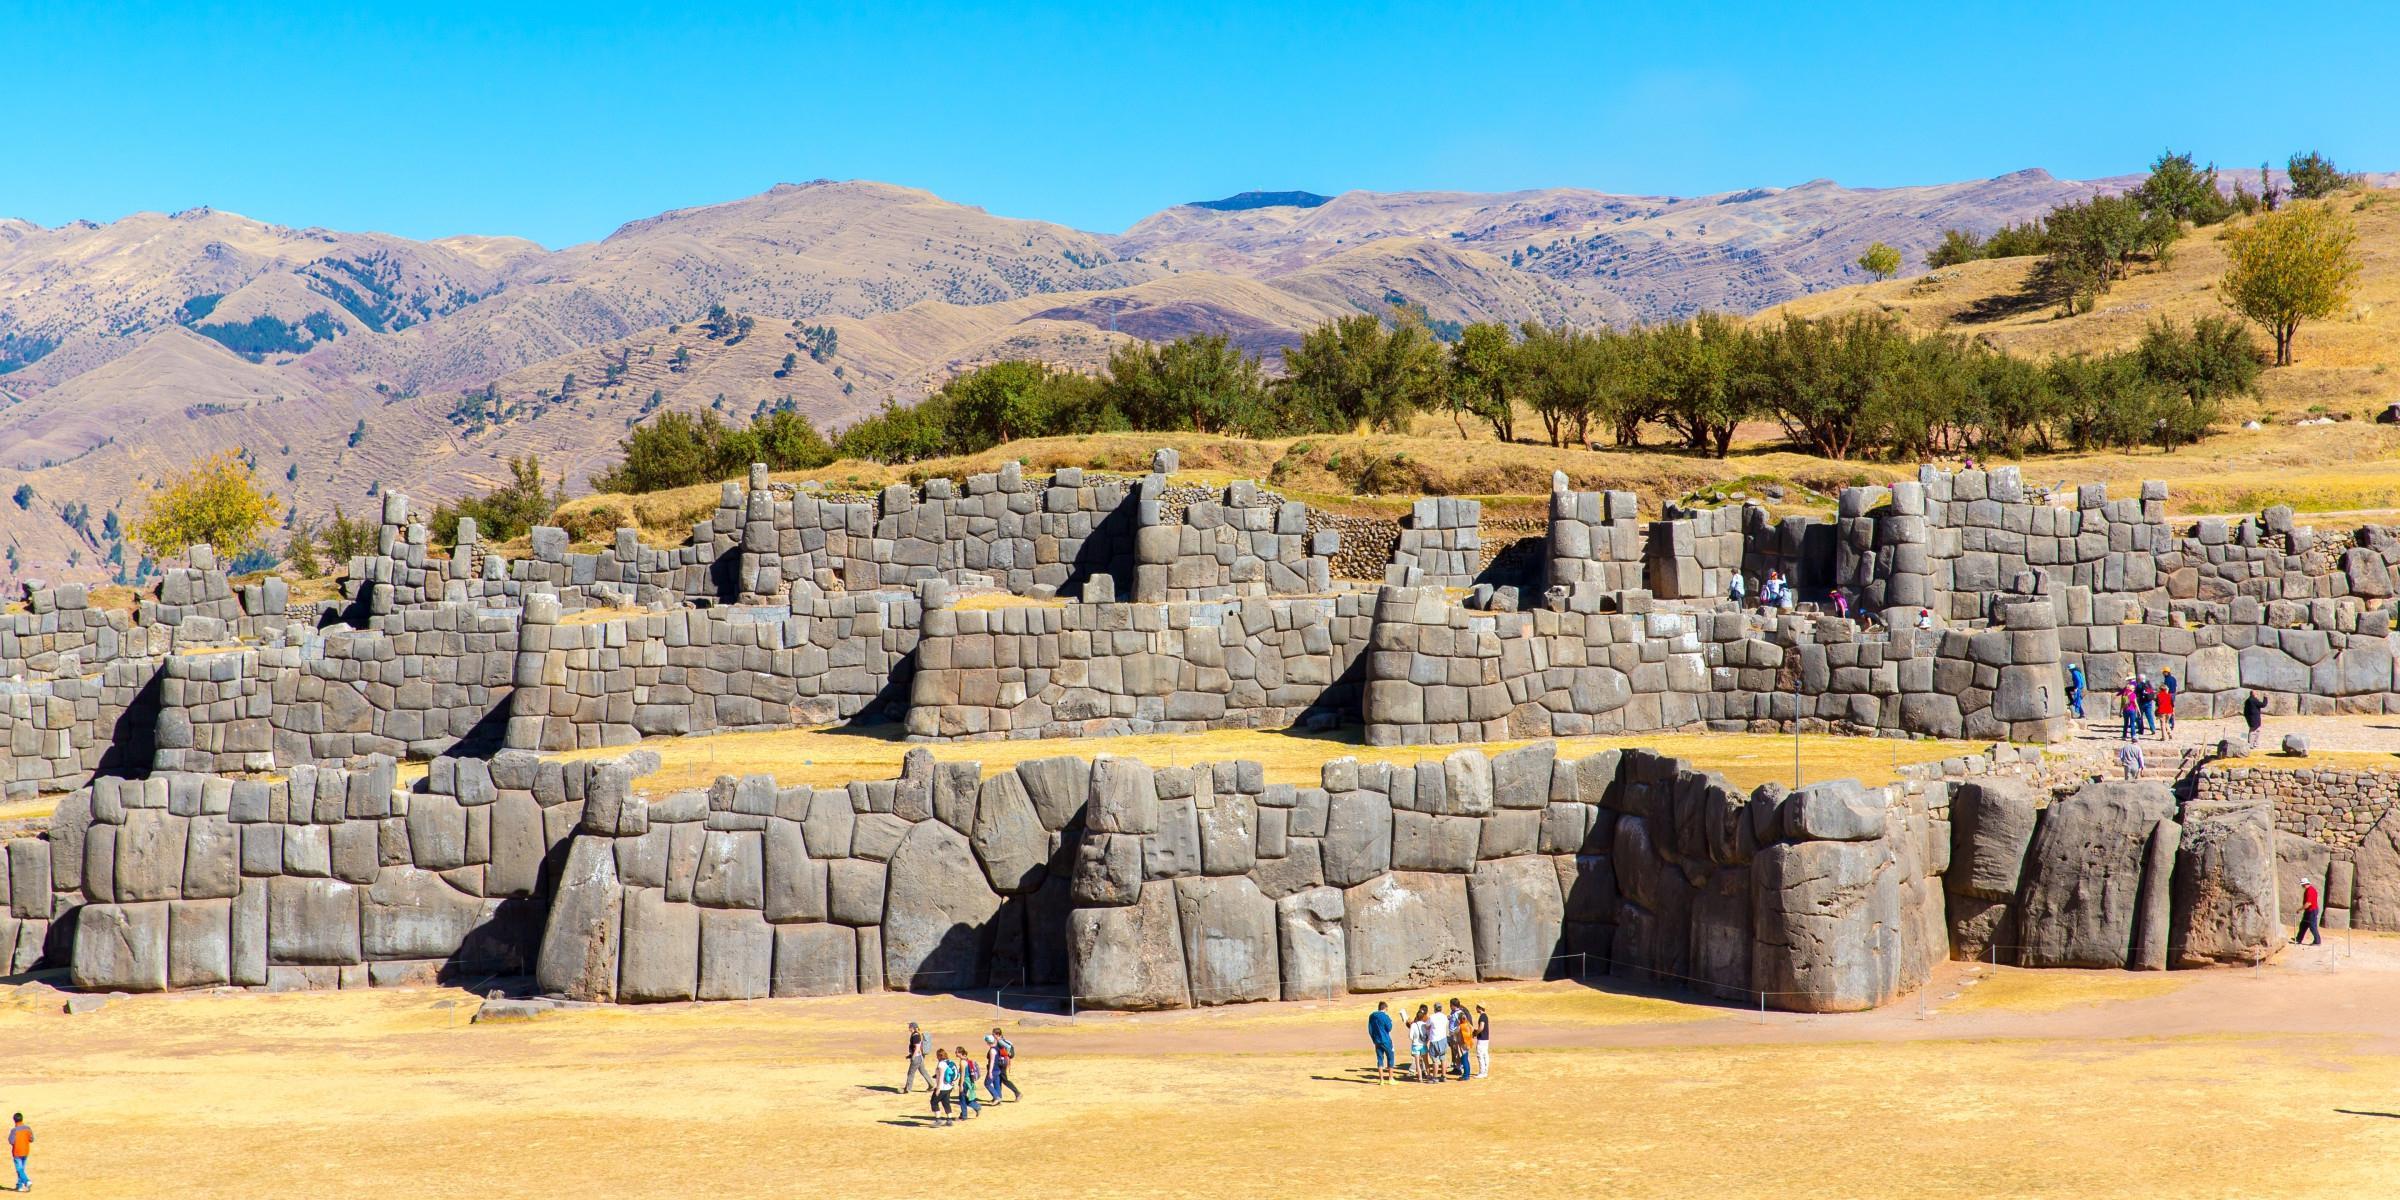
<point>2224,886</point>
<point>1991,826</point>
<point>579,954</point>
<point>1517,913</point>
<point>2083,875</point>
<point>1129,956</point>
<point>1408,929</point>
<point>1827,924</point>
<point>1311,943</point>
<point>1229,940</point>
<point>937,913</point>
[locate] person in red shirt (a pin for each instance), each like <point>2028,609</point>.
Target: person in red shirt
<point>2308,915</point>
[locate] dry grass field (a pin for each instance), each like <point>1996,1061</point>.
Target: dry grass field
<point>830,757</point>
<point>2281,1081</point>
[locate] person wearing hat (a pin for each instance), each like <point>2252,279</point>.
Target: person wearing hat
<point>2308,915</point>
<point>916,1061</point>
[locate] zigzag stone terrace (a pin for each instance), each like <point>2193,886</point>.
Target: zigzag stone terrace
<point>230,808</point>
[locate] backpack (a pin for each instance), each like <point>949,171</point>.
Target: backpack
<point>1004,1052</point>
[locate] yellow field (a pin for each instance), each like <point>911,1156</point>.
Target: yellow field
<point>826,757</point>
<point>2277,1082</point>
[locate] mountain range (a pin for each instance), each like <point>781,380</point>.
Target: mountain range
<point>341,364</point>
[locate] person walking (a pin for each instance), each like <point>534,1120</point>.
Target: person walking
<point>20,1148</point>
<point>2129,756</point>
<point>2075,689</point>
<point>1379,1033</point>
<point>2166,709</point>
<point>1841,603</point>
<point>945,1076</point>
<point>2129,706</point>
<point>968,1103</point>
<point>2309,931</point>
<point>916,1060</point>
<point>2168,683</point>
<point>2254,714</point>
<point>999,1055</point>
<point>1483,1041</point>
<point>2147,696</point>
<point>1738,590</point>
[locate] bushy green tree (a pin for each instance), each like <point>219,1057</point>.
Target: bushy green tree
<point>2300,264</point>
<point>1485,375</point>
<point>2183,191</point>
<point>505,511</point>
<point>1201,382</point>
<point>1355,371</point>
<point>1880,261</point>
<point>1701,377</point>
<point>2314,176</point>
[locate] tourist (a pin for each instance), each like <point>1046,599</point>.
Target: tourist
<point>1483,1041</point>
<point>2168,683</point>
<point>1841,603</point>
<point>1379,1033</point>
<point>1925,618</point>
<point>2254,714</point>
<point>945,1077</point>
<point>1438,1042</point>
<point>1416,1045</point>
<point>916,1060</point>
<point>1776,596</point>
<point>1000,1054</point>
<point>1738,590</point>
<point>968,1103</point>
<point>1462,1039</point>
<point>2308,926</point>
<point>2075,689</point>
<point>2129,754</point>
<point>20,1148</point>
<point>2165,701</point>
<point>2129,706</point>
<point>2145,693</point>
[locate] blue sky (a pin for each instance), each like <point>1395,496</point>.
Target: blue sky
<point>560,122</point>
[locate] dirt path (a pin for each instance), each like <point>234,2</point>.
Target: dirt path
<point>2006,1082</point>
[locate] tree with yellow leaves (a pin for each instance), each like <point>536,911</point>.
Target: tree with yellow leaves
<point>2291,266</point>
<point>217,502</point>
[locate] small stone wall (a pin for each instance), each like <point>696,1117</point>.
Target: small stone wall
<point>1089,670</point>
<point>1440,546</point>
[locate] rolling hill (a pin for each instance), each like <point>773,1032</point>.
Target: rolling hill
<point>344,363</point>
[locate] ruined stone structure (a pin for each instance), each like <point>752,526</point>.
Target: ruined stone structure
<point>1080,605</point>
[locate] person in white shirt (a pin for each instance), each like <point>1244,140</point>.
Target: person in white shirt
<point>1437,1042</point>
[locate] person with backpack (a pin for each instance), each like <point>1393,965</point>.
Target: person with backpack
<point>1379,1034</point>
<point>20,1148</point>
<point>968,1103</point>
<point>945,1077</point>
<point>2145,693</point>
<point>2308,925</point>
<point>916,1060</point>
<point>1417,1029</point>
<point>2129,706</point>
<point>2075,689</point>
<point>1483,1041</point>
<point>1000,1055</point>
<point>1462,1040</point>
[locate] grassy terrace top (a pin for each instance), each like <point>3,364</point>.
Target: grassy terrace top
<point>827,757</point>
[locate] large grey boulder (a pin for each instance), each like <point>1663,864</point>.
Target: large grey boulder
<point>1991,826</point>
<point>1840,810</point>
<point>212,858</point>
<point>1124,797</point>
<point>1407,930</point>
<point>1358,837</point>
<point>1229,835</point>
<point>580,943</point>
<point>1229,940</point>
<point>312,921</point>
<point>1827,924</point>
<point>1128,956</point>
<point>1311,944</point>
<point>410,913</point>
<point>1108,869</point>
<point>1521,777</point>
<point>199,943</point>
<point>661,960</point>
<point>150,855</point>
<point>1058,788</point>
<point>795,886</point>
<point>1173,851</point>
<point>1009,838</point>
<point>2224,886</point>
<point>1423,842</point>
<point>2083,875</point>
<point>121,947</point>
<point>814,960</point>
<point>2154,912</point>
<point>1517,913</point>
<point>936,912</point>
<point>737,954</point>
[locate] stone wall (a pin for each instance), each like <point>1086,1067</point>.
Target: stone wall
<point>325,878</point>
<point>1595,539</point>
<point>2333,825</point>
<point>1440,546</point>
<point>1241,545</point>
<point>1088,670</point>
<point>692,671</point>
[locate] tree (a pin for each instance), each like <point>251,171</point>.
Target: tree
<point>1880,261</point>
<point>1957,246</point>
<point>1354,371</point>
<point>1700,379</point>
<point>504,512</point>
<point>348,537</point>
<point>217,502</point>
<point>2181,191</point>
<point>1201,382</point>
<point>2314,176</point>
<point>1564,375</point>
<point>1484,376</point>
<point>301,551</point>
<point>2299,264</point>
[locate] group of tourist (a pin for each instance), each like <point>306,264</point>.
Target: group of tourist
<point>1442,1042</point>
<point>952,1075</point>
<point>1774,596</point>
